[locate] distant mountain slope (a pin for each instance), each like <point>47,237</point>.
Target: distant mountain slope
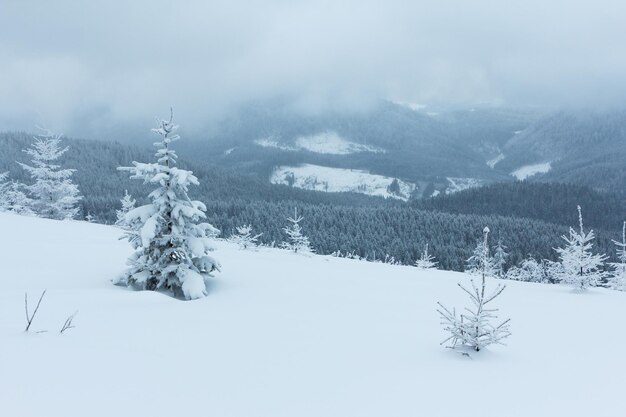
<point>550,202</point>
<point>582,147</point>
<point>425,148</point>
<point>389,139</point>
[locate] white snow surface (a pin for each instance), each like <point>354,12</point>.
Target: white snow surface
<point>272,142</point>
<point>284,335</point>
<point>321,178</point>
<point>331,143</point>
<point>493,162</point>
<point>460,184</point>
<point>328,142</point>
<point>528,171</point>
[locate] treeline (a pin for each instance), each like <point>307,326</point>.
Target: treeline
<point>370,227</point>
<point>400,231</point>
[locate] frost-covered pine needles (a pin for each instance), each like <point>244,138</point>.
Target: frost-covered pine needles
<point>474,326</point>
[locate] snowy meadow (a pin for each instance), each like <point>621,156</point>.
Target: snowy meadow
<point>286,334</point>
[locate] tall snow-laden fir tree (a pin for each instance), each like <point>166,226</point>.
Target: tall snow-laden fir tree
<point>577,265</point>
<point>499,259</point>
<point>297,241</point>
<point>53,193</point>
<point>473,327</point>
<point>128,203</point>
<point>426,260</point>
<point>171,246</point>
<point>618,278</point>
<point>244,237</point>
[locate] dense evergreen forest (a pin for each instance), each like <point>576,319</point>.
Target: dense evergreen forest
<point>550,202</point>
<point>368,226</point>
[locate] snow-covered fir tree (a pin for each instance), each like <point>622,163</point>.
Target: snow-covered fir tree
<point>53,193</point>
<point>618,277</point>
<point>12,198</point>
<point>171,244</point>
<point>244,237</point>
<point>128,203</point>
<point>577,265</point>
<point>481,261</point>
<point>529,270</point>
<point>297,241</point>
<point>499,259</point>
<point>474,327</point>
<point>89,218</point>
<point>426,260</point>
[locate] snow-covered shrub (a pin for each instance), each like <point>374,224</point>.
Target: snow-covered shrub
<point>170,244</point>
<point>128,204</point>
<point>473,327</point>
<point>347,255</point>
<point>12,198</point>
<point>297,241</point>
<point>577,265</point>
<point>53,194</point>
<point>426,260</point>
<point>617,281</point>
<point>244,237</point>
<point>529,270</point>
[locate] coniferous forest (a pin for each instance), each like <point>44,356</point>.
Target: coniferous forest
<point>528,217</point>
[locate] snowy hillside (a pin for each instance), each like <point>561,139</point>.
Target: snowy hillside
<point>319,178</point>
<point>327,142</point>
<point>459,184</point>
<point>285,335</point>
<point>528,171</point>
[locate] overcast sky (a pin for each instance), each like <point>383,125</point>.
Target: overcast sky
<point>68,62</point>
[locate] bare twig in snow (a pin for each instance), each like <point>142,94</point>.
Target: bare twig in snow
<point>68,323</point>
<point>29,318</point>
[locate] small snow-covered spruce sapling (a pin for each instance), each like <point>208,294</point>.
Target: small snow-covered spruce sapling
<point>474,327</point>
<point>577,265</point>
<point>128,203</point>
<point>244,237</point>
<point>499,259</point>
<point>426,260</point>
<point>171,244</point>
<point>481,261</point>
<point>618,278</point>
<point>12,198</point>
<point>54,194</point>
<point>297,241</point>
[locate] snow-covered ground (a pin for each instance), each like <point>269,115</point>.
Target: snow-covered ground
<point>494,161</point>
<point>287,335</point>
<point>460,184</point>
<point>327,142</point>
<point>528,171</point>
<point>272,142</point>
<point>321,178</point>
<point>331,143</point>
